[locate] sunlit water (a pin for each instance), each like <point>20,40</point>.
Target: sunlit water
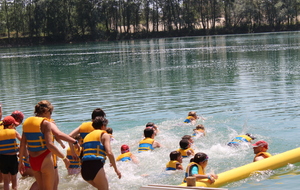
<point>239,83</point>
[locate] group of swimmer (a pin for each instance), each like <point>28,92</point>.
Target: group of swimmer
<point>198,162</point>
<point>89,146</point>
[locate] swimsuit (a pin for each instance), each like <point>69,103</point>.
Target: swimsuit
<point>90,168</point>
<point>9,164</point>
<point>36,162</point>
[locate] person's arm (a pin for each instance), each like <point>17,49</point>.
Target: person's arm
<point>210,177</point>
<point>22,152</point>
<point>75,132</point>
<point>105,139</point>
<point>56,132</point>
<point>258,158</point>
<point>18,136</point>
<point>46,128</point>
<point>60,142</point>
<point>156,144</point>
<point>134,159</point>
<point>179,166</point>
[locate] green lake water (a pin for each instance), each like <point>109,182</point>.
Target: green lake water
<point>239,83</point>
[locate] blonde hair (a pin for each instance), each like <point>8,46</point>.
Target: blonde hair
<point>192,113</point>
<point>42,107</point>
<point>200,126</point>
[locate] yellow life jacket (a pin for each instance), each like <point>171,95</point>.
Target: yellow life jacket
<point>146,144</point>
<point>93,149</point>
<point>263,154</point>
<point>85,128</point>
<point>183,152</point>
<point>189,119</point>
<point>240,139</point>
<point>8,143</point>
<point>171,165</point>
<point>32,130</point>
<point>125,157</point>
<point>73,163</point>
<point>188,170</point>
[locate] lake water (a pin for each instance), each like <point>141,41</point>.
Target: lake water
<point>239,83</point>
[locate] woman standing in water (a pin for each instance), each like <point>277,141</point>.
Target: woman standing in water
<point>37,136</point>
<point>96,146</point>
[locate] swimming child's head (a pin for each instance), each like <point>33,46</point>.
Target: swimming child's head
<point>193,114</point>
<point>109,130</point>
<point>200,157</point>
<point>78,138</point>
<point>200,126</point>
<point>251,136</point>
<point>9,122</point>
<point>184,144</point>
<point>189,138</point>
<point>148,132</point>
<point>124,148</point>
<point>175,155</point>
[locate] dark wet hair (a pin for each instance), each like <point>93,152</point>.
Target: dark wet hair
<point>42,107</point>
<point>148,132</point>
<point>199,157</point>
<point>98,112</point>
<point>184,143</point>
<point>98,122</point>
<point>174,155</point>
<point>186,137</point>
<point>150,124</point>
<point>109,130</point>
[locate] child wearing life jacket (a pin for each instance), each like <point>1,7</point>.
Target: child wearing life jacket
<point>75,164</point>
<point>110,133</point>
<point>175,161</point>
<point>148,143</point>
<point>237,141</point>
<point>196,168</point>
<point>185,148</point>
<point>260,149</point>
<point>199,131</point>
<point>126,155</point>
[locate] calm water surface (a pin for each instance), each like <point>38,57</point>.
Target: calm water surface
<point>239,83</point>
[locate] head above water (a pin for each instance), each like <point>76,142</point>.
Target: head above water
<point>124,148</point>
<point>184,143</point>
<point>261,143</point>
<point>251,136</point>
<point>174,155</point>
<point>148,132</point>
<point>200,157</point>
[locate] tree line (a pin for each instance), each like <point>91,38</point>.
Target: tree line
<point>67,20</point>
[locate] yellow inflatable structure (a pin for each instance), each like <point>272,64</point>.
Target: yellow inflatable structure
<point>274,162</point>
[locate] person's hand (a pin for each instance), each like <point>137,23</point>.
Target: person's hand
<point>118,173</point>
<point>21,168</point>
<point>77,146</point>
<point>67,162</point>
